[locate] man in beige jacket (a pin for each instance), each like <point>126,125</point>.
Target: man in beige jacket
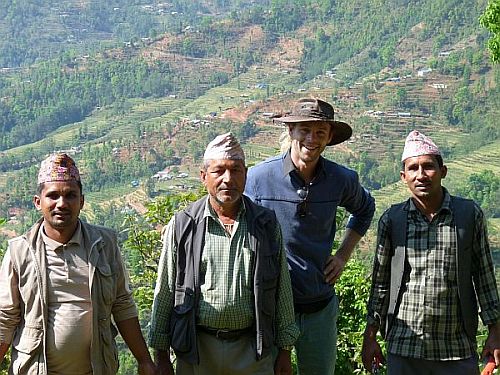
<point>61,282</point>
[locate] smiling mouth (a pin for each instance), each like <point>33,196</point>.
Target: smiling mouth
<point>311,148</point>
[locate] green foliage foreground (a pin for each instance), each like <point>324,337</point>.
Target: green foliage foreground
<point>353,290</point>
<point>490,19</point>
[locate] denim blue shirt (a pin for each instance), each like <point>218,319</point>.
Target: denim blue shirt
<point>309,239</point>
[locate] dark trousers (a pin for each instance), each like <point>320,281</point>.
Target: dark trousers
<point>398,365</point>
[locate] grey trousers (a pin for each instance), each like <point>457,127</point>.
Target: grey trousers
<point>397,365</point>
<point>226,357</point>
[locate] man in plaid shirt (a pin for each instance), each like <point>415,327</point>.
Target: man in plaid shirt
<point>223,298</point>
<point>429,325</point>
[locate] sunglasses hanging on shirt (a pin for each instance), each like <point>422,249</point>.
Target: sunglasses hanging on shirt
<point>302,205</point>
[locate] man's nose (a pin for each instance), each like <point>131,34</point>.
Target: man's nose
<point>227,175</point>
<point>62,202</point>
<point>310,136</point>
<point>421,172</point>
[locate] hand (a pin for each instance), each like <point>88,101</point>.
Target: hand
<point>165,369</point>
<point>492,343</point>
<point>371,350</point>
<point>334,268</point>
<point>147,368</point>
<point>283,364</point>
<point>163,363</point>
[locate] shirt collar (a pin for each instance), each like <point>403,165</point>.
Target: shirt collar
<point>446,205</point>
<point>289,167</point>
<point>209,211</point>
<point>51,244</point>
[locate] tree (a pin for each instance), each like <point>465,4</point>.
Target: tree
<point>484,189</point>
<point>490,19</point>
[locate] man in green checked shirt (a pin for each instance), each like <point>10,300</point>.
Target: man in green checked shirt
<point>223,298</point>
<point>432,270</point>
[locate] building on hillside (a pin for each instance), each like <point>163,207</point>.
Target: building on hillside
<point>162,176</point>
<point>439,86</point>
<point>423,72</point>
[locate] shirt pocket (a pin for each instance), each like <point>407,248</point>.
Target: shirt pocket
<point>29,340</point>
<point>107,282</point>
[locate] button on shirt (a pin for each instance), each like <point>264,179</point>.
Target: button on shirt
<point>69,326</point>
<point>428,323</point>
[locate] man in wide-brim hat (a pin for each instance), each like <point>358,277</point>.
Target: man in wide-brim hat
<point>305,189</point>
<point>317,111</point>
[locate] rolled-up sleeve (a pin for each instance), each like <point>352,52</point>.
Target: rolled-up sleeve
<point>164,291</point>
<point>360,204</point>
<point>10,309</point>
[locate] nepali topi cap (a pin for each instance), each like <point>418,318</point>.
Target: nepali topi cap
<point>58,167</point>
<point>418,144</point>
<point>224,146</point>
<point>312,109</point>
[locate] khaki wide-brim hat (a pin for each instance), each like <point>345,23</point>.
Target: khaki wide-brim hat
<point>310,109</point>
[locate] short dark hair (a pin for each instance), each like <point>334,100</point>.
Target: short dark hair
<point>40,187</point>
<point>438,158</point>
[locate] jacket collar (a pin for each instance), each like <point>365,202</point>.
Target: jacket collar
<point>90,237</point>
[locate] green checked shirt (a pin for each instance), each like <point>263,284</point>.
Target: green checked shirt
<point>428,323</point>
<point>227,300</point>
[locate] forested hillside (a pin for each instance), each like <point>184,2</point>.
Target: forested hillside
<point>135,87</point>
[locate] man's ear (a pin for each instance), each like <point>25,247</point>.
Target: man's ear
<point>82,201</point>
<point>444,171</point>
<point>203,176</point>
<point>402,175</point>
<point>36,202</point>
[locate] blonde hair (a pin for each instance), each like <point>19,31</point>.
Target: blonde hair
<point>285,140</point>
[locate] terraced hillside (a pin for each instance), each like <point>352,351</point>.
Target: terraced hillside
<point>239,73</point>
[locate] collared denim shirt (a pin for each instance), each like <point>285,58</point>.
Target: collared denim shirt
<point>308,240</point>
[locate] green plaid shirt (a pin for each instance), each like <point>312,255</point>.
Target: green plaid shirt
<point>227,299</point>
<point>429,323</point>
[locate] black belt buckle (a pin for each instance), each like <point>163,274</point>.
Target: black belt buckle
<point>224,334</point>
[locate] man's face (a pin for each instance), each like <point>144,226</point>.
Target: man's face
<point>423,176</point>
<point>225,180</point>
<point>309,139</point>
<point>60,204</point>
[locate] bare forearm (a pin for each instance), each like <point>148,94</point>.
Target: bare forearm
<point>3,350</point>
<point>163,363</point>
<point>349,242</point>
<point>132,335</point>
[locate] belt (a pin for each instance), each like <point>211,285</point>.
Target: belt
<point>313,307</point>
<point>226,334</point>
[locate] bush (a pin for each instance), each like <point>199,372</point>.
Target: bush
<point>353,290</point>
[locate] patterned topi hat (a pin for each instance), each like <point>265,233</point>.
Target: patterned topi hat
<point>418,144</point>
<point>58,167</point>
<point>224,146</point>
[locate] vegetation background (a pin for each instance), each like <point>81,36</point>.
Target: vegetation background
<point>134,89</point>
